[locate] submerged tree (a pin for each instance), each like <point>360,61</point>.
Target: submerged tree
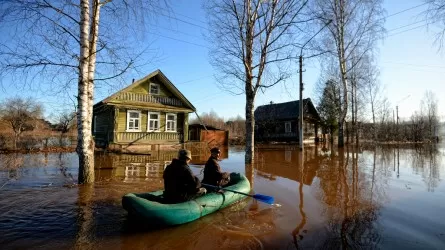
<point>329,106</point>
<point>60,42</point>
<point>356,26</point>
<point>21,115</point>
<point>251,41</point>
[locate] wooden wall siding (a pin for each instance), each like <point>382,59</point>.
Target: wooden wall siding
<point>147,137</point>
<point>215,137</point>
<point>276,131</point>
<point>163,157</point>
<point>144,88</point>
<point>104,126</point>
<point>104,120</point>
<point>141,97</point>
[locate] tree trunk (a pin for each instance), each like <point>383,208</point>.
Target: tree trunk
<point>250,124</point>
<point>84,150</point>
<point>356,124</point>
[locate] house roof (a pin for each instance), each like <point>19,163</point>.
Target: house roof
<point>286,111</point>
<point>161,77</point>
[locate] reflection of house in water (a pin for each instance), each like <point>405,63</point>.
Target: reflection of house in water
<point>148,170</point>
<point>283,161</point>
<point>133,166</point>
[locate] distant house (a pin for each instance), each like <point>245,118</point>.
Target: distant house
<point>150,111</point>
<point>211,135</point>
<point>279,121</point>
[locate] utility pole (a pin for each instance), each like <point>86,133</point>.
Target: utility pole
<point>300,107</point>
<point>397,117</point>
<point>397,124</point>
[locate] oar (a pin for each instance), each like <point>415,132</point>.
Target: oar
<point>260,197</point>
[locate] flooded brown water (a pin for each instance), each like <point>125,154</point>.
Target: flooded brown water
<point>383,197</point>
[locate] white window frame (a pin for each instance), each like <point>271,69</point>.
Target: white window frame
<point>154,84</point>
<point>128,121</point>
<point>290,127</point>
<point>158,120</point>
<point>175,122</point>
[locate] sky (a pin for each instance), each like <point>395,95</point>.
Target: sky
<point>408,60</point>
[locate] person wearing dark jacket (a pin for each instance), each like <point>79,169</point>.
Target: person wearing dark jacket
<point>212,171</point>
<point>180,184</point>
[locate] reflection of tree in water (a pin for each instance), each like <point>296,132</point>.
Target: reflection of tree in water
<point>426,160</point>
<point>296,232</point>
<point>351,202</point>
<point>85,217</point>
<point>10,167</point>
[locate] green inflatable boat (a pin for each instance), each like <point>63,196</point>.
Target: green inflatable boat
<point>149,206</point>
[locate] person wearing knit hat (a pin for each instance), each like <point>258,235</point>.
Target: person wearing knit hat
<point>212,171</point>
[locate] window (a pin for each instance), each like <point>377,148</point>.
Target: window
<point>154,89</point>
<point>133,121</point>
<point>170,123</point>
<point>287,127</point>
<point>153,122</point>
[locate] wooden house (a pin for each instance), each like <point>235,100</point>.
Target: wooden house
<point>279,121</point>
<point>150,111</point>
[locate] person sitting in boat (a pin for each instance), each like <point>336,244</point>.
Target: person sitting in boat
<point>212,171</point>
<point>180,184</point>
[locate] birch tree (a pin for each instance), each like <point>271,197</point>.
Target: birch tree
<point>58,42</point>
<point>356,26</point>
<point>252,42</point>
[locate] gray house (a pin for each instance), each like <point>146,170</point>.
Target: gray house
<point>279,121</point>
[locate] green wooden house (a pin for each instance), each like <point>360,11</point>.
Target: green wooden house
<point>150,111</point>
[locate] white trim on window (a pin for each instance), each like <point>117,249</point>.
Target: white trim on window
<point>157,86</point>
<point>153,124</point>
<point>288,127</point>
<point>133,123</point>
<point>171,124</point>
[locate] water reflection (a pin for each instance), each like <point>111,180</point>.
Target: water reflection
<point>282,160</point>
<point>296,232</point>
<point>134,167</point>
<point>368,197</point>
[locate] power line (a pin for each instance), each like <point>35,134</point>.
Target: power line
<point>405,10</point>
<point>180,40</point>
<point>404,26</point>
<point>181,20</point>
<point>420,26</point>
<point>193,80</point>
<point>191,18</point>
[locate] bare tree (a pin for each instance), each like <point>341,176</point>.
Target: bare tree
<point>21,115</point>
<point>65,123</point>
<point>435,14</point>
<point>59,41</point>
<point>431,113</point>
<point>252,40</point>
<point>356,26</point>
<point>372,92</point>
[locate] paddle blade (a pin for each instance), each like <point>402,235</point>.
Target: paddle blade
<point>264,198</point>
